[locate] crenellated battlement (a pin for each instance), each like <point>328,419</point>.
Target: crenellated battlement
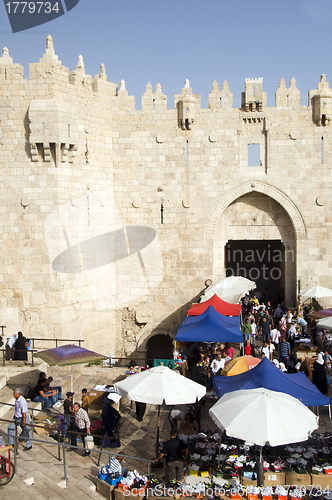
<point>52,77</point>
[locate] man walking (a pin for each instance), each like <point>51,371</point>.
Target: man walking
<point>265,329</point>
<point>218,364</point>
<point>284,351</point>
<point>246,330</point>
<point>82,426</point>
<point>21,417</point>
<point>176,453</point>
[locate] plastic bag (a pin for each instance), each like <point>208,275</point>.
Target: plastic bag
<point>116,435</point>
<point>24,435</point>
<point>88,441</point>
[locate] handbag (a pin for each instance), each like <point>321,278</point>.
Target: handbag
<point>116,435</point>
<point>24,435</point>
<point>89,443</point>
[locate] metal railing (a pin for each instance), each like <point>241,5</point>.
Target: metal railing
<point>114,361</point>
<point>63,446</point>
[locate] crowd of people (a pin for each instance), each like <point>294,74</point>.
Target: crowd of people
<point>271,332</point>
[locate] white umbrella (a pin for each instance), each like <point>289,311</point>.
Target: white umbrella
<point>325,323</point>
<point>160,384</point>
<point>316,292</point>
<point>230,289</point>
<point>261,416</point>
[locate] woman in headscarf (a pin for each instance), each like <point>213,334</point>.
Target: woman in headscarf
<point>110,418</point>
<point>319,374</point>
<point>20,349</point>
<point>283,327</point>
<point>11,346</point>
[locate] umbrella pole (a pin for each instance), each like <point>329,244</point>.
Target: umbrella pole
<point>71,379</point>
<point>260,469</point>
<point>158,423</point>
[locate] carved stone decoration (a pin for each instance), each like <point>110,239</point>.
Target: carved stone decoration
<point>52,129</point>
<point>34,152</point>
<point>321,101</point>
<point>186,104</point>
<point>25,202</point>
<point>320,201</point>
<point>161,138</point>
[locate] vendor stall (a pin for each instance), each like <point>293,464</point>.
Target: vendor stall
<point>218,304</point>
<point>267,375</point>
<point>210,326</point>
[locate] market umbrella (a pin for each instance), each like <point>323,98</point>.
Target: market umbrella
<point>230,289</point>
<point>158,385</point>
<point>262,416</point>
<point>240,364</point>
<point>69,355</point>
<point>325,323</point>
<point>323,313</point>
<point>317,292</point>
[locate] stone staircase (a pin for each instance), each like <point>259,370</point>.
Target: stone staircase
<point>39,473</point>
<point>14,375</point>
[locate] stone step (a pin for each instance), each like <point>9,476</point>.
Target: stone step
<point>18,374</point>
<point>6,396</point>
<point>3,380</point>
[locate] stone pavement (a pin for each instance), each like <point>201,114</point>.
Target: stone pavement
<point>137,440</point>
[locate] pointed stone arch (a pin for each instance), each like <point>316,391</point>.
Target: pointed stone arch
<point>260,187</point>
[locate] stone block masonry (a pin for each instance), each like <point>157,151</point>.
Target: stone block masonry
<point>112,218</point>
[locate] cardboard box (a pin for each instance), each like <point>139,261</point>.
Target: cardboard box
<point>188,429</point>
<point>121,495</point>
<point>95,398</point>
<point>45,429</point>
<point>105,489</point>
<point>249,482</point>
<point>323,480</point>
<point>295,479</point>
<point>274,478</point>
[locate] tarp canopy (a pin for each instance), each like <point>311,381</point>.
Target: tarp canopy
<point>267,375</point>
<point>210,327</point>
<point>218,304</point>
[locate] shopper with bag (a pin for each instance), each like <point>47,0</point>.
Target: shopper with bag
<point>21,417</point>
<point>82,426</point>
<point>110,418</point>
<point>20,349</point>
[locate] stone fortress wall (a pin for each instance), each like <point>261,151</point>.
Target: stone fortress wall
<point>112,218</point>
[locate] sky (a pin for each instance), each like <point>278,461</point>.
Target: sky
<point>169,41</point>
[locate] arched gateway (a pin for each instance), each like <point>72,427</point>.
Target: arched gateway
<point>255,229</point>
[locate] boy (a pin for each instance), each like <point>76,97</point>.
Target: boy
<point>68,411</point>
<point>85,400</point>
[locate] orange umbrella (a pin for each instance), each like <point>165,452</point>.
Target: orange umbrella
<point>240,365</point>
